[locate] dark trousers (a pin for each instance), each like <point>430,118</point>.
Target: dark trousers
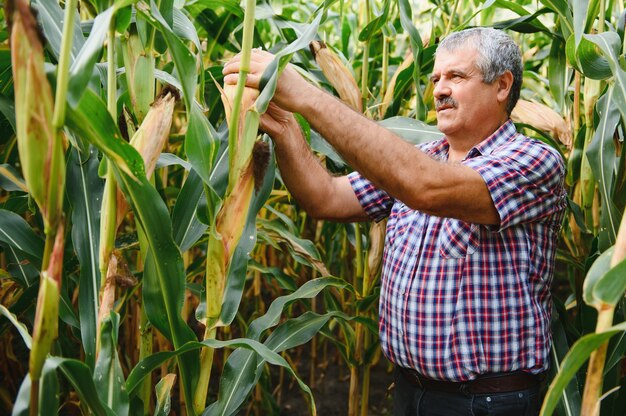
<point>411,400</point>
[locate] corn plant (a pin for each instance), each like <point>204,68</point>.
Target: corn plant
<point>149,216</point>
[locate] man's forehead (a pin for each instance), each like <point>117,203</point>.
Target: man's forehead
<point>461,58</point>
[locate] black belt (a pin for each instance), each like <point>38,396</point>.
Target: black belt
<point>489,383</point>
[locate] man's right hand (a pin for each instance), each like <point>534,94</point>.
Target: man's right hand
<point>291,88</point>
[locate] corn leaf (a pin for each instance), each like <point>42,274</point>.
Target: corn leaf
<point>78,375</point>
<point>108,373</point>
<point>597,270</point>
<point>21,328</point>
<point>601,154</point>
<point>187,228</point>
<point>163,289</point>
<point>562,9</point>
<point>82,66</point>
<point>16,233</point>
<point>200,142</point>
<point>146,366</point>
<point>406,19</point>
<point>272,72</point>
<point>569,405</point>
<point>163,395</point>
<point>84,190</point>
<point>576,357</point>
<point>611,286</point>
<point>51,17</point>
<point>411,130</point>
<point>610,44</point>
<point>558,72</point>
<point>11,180</point>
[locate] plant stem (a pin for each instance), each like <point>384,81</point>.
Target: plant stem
<point>58,118</point>
<point>595,372</point>
<point>244,69</point>
<point>451,19</point>
<point>365,62</point>
<point>216,274</point>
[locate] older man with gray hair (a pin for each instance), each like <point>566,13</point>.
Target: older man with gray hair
<point>472,227</point>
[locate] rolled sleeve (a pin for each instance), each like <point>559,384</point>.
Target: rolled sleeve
<point>375,202</point>
<point>525,181</point>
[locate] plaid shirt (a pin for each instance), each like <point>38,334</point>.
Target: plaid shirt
<point>459,299</point>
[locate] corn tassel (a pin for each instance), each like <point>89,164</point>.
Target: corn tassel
<point>337,74</point>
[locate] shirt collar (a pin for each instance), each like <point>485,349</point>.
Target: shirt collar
<point>504,134</point>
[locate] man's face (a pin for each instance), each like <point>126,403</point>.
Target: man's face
<point>464,103</point>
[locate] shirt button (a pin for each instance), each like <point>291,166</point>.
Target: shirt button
<point>488,399</point>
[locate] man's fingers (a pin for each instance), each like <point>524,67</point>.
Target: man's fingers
<point>251,80</point>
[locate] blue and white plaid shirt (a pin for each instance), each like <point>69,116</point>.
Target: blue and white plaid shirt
<point>459,299</point>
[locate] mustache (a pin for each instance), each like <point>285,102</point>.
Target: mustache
<point>448,101</point>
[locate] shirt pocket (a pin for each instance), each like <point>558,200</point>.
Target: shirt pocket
<point>457,238</point>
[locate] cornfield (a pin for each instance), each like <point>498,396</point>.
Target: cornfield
<point>151,259</point>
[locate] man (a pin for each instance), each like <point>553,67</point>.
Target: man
<point>472,225</point>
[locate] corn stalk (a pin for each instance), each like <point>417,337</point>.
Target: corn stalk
<point>229,223</point>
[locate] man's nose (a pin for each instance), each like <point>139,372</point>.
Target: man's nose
<point>441,89</point>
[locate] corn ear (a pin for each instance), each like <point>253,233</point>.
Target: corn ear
<point>544,118</point>
<point>39,146</point>
<point>150,138</point>
<point>139,64</point>
<point>337,74</point>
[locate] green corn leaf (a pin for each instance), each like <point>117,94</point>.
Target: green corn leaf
<point>569,405</point>
<point>108,373</point>
<point>601,154</point>
<point>243,369</point>
<point>15,232</point>
<point>51,17</point>
<point>11,180</point>
<point>587,59</point>
<point>610,288</point>
<point>558,72</point>
<point>272,72</point>
<point>21,328</point>
<point>187,228</point>
<point>406,19</point>
<point>82,66</point>
<point>84,190</point>
<point>575,358</point>
<point>610,44</point>
<point>163,395</point>
<point>146,366</point>
<point>7,107</point>
<point>411,130</point>
<point>579,8</point>
<point>562,9</point>
<point>163,289</point>
<point>596,272</point>
<point>200,143</point>
<point>376,24</point>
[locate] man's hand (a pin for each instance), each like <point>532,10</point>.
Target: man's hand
<point>277,121</point>
<point>290,89</point>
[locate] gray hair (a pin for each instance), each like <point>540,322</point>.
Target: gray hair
<point>497,53</point>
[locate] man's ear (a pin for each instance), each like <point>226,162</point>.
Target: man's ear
<point>505,82</point>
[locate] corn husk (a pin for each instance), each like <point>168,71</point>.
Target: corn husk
<point>40,147</point>
<point>139,65</point>
<point>408,60</point>
<point>45,328</point>
<point>544,118</point>
<point>339,76</point>
<point>150,138</point>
